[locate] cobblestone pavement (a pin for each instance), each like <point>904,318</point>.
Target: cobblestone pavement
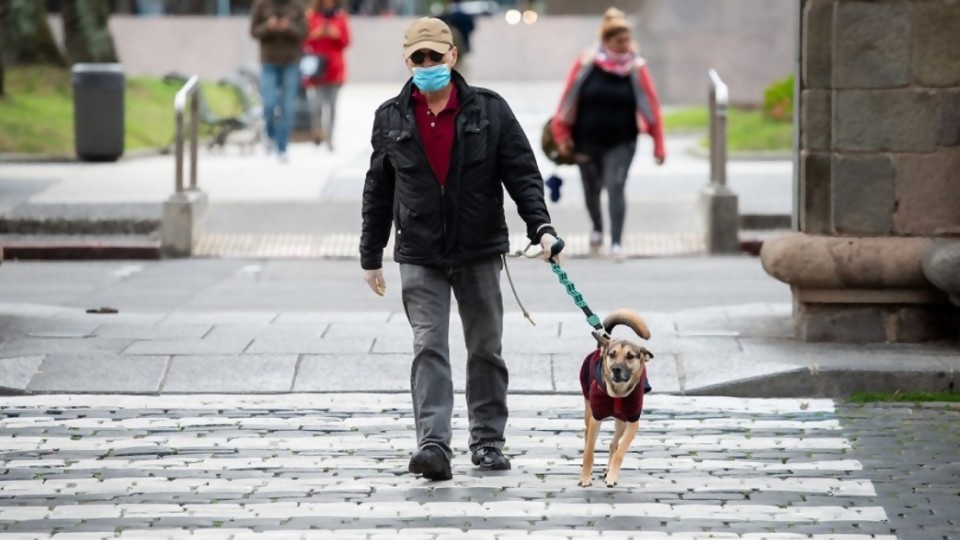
<point>334,466</point>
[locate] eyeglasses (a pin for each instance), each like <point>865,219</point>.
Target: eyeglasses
<point>420,56</point>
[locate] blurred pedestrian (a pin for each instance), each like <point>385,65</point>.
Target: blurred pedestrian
<point>462,24</point>
<point>281,27</point>
<point>329,35</point>
<point>608,100</point>
<point>443,152</point>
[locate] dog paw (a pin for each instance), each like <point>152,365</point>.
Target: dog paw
<point>585,482</point>
<point>611,484</point>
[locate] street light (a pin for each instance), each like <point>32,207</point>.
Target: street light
<point>513,16</point>
<point>529,16</point>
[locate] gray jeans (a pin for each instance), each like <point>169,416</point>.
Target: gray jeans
<point>426,300</point>
<point>323,108</point>
<point>608,170</point>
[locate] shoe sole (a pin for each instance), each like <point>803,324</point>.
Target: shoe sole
<point>430,472</point>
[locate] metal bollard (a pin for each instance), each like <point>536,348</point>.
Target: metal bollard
<point>719,203</point>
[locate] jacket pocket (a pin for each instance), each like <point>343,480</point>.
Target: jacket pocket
<point>399,149</point>
<point>475,139</point>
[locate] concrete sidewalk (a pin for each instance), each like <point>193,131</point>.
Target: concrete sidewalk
<point>720,326</point>
<point>745,351</point>
<point>316,196</point>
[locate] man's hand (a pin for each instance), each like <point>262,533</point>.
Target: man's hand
<point>546,242</point>
<point>374,279</point>
<point>283,24</point>
<point>660,159</point>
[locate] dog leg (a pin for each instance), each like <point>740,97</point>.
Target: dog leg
<point>589,445</point>
<point>616,459</point>
<point>619,426</point>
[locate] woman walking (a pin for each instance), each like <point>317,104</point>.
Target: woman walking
<point>329,35</point>
<point>609,99</point>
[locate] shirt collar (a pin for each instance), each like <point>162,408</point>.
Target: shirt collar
<point>452,104</point>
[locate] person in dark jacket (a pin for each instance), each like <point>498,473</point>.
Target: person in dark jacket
<point>281,28</point>
<point>443,152</point>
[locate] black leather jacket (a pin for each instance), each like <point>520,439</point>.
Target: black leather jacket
<point>463,220</point>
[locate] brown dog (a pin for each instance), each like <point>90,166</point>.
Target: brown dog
<point>613,380</point>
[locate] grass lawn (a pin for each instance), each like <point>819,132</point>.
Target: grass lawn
<point>36,116</point>
<point>915,397</point>
<point>746,130</point>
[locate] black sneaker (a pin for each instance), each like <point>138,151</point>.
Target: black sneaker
<point>432,463</point>
<point>490,459</point>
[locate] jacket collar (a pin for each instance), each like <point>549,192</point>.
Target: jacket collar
<point>464,92</point>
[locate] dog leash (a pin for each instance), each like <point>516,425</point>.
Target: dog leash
<point>592,318</point>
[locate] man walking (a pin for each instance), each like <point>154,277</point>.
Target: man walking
<point>442,153</point>
<point>281,28</point>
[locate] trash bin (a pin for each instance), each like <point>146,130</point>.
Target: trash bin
<point>98,111</point>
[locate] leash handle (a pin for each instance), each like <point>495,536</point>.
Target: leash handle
<point>556,248</point>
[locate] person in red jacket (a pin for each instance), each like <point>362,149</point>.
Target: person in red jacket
<point>608,100</point>
<point>329,35</point>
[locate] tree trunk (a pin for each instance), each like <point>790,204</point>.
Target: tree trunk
<point>26,35</point>
<point>86,31</point>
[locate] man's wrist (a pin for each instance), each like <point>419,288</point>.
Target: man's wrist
<point>546,228</point>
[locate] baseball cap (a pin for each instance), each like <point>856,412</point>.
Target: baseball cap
<point>427,33</point>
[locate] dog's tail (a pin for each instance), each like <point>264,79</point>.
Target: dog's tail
<point>626,318</point>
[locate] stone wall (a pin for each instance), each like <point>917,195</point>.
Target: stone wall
<point>879,156</point>
<point>749,42</point>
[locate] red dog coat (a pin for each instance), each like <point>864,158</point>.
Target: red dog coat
<point>603,406</point>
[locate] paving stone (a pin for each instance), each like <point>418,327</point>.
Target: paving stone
<point>230,345</point>
<point>243,373</point>
<point>16,372</point>
<point>91,374</point>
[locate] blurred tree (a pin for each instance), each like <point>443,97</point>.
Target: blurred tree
<point>26,35</point>
<point>86,31</point>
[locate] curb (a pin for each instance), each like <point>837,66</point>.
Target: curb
<point>64,158</point>
<point>831,383</point>
<point>759,155</point>
<point>80,226</point>
<point>64,252</point>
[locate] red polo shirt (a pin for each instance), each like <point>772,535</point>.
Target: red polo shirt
<point>437,131</point>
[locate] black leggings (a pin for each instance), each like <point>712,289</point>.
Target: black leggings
<point>608,170</point>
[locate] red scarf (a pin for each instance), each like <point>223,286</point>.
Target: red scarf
<point>616,63</point>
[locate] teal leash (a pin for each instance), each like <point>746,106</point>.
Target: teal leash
<point>592,318</point>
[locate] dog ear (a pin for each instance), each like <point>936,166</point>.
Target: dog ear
<point>646,352</point>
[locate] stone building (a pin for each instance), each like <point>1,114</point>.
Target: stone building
<point>876,255</point>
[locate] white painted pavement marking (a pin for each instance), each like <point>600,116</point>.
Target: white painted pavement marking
<point>342,462</point>
<point>490,510</point>
<point>433,534</point>
<point>386,442</point>
<point>685,484</point>
<point>128,270</point>
<point>800,425</point>
<point>310,421</point>
<point>540,405</point>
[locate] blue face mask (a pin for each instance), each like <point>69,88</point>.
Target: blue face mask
<point>432,78</point>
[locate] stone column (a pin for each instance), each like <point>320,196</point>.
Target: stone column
<point>879,170</point>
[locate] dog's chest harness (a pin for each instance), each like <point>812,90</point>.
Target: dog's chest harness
<point>627,408</point>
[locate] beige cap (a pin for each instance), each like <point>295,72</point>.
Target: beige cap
<point>427,33</point>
